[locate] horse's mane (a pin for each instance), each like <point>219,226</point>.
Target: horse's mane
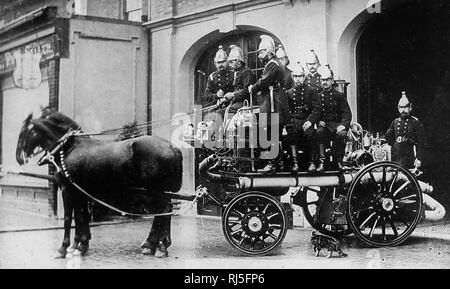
<point>57,120</point>
<point>27,121</point>
<point>52,123</point>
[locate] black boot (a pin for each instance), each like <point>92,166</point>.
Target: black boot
<point>313,157</point>
<point>295,168</point>
<point>281,160</point>
<point>322,157</point>
<point>270,168</point>
<point>312,165</point>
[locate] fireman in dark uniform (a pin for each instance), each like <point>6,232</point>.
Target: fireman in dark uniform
<point>313,79</point>
<point>243,77</point>
<point>284,59</point>
<point>405,133</point>
<point>335,120</point>
<point>219,82</point>
<point>305,111</point>
<point>274,100</point>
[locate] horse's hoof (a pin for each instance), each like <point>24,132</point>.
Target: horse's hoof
<point>148,252</point>
<point>61,254</point>
<point>80,251</point>
<point>73,247</point>
<point>161,253</point>
<point>84,251</point>
<point>146,245</point>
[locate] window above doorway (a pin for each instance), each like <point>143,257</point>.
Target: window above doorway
<point>133,10</point>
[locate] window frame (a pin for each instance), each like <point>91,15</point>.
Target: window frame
<point>127,12</point>
<point>80,7</point>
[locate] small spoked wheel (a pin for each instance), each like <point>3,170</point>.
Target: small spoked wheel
<point>254,223</point>
<point>311,199</point>
<point>384,204</point>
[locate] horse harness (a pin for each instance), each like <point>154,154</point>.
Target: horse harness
<point>50,157</point>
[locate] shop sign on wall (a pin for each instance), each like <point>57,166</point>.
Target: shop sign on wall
<point>27,73</point>
<point>25,61</point>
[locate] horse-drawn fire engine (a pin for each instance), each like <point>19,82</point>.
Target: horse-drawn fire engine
<point>375,199</point>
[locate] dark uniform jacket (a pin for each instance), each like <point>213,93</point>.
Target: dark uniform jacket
<point>217,80</point>
<point>335,109</point>
<point>402,135</point>
<point>288,79</point>
<point>243,78</point>
<point>313,81</point>
<point>273,75</point>
<point>304,104</point>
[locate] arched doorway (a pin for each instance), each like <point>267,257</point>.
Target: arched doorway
<point>407,48</point>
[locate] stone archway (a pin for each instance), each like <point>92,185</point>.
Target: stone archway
<point>347,53</point>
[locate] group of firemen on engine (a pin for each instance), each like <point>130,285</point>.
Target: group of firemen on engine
<point>308,105</point>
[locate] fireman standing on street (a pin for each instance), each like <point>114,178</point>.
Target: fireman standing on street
<point>305,111</point>
<point>274,100</point>
<point>335,120</point>
<point>406,135</point>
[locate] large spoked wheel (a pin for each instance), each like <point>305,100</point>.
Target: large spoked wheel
<point>384,204</point>
<point>254,223</point>
<point>311,199</point>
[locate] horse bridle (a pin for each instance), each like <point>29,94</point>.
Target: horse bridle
<point>49,155</point>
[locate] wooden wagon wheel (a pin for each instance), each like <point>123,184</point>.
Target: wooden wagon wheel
<point>384,204</point>
<point>310,200</point>
<point>254,223</point>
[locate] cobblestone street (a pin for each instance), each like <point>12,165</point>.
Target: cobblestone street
<point>198,242</point>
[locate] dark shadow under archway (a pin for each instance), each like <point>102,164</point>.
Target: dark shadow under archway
<point>407,48</point>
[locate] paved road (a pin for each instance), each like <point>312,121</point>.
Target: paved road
<point>199,243</point>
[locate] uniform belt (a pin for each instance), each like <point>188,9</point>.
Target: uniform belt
<point>298,115</point>
<point>404,140</point>
<point>300,109</point>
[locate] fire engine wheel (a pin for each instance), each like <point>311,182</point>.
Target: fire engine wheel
<point>384,204</point>
<point>254,223</point>
<point>311,198</point>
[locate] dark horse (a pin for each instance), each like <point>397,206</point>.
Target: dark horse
<point>104,169</point>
